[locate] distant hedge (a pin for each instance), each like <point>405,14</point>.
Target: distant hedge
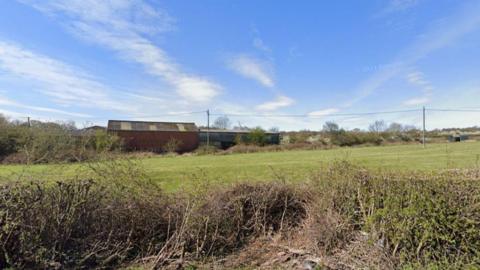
<point>45,142</point>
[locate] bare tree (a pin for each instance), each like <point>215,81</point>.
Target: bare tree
<point>274,129</point>
<point>408,128</point>
<point>3,120</point>
<point>395,128</point>
<point>377,126</point>
<point>222,122</point>
<point>331,127</point>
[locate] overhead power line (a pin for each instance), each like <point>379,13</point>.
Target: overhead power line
<point>152,115</point>
<point>454,110</point>
<point>171,114</point>
<point>313,115</point>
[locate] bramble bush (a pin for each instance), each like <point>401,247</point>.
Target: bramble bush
<point>417,220</point>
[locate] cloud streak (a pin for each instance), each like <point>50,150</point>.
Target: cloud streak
<point>253,68</point>
<point>418,79</point>
<point>416,101</point>
<point>277,103</point>
<point>441,34</point>
<point>260,45</point>
<point>11,103</point>
<point>124,27</point>
<point>65,84</point>
<point>398,6</point>
<point>322,113</point>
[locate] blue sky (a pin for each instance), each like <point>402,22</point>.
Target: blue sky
<point>90,61</point>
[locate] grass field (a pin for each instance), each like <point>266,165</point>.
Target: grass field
<point>173,172</point>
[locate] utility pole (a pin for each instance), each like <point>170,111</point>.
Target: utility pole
<point>208,128</point>
<point>423,135</point>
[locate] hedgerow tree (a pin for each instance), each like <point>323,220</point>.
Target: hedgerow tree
<point>222,122</point>
<point>257,136</point>
<point>331,127</point>
<point>377,126</point>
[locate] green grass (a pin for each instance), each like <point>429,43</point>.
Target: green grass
<point>173,172</point>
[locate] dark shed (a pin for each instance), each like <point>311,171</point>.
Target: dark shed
<point>226,138</point>
<point>457,137</point>
<point>153,136</point>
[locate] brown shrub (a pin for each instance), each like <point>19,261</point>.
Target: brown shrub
<point>418,219</point>
<point>89,224</point>
<point>172,145</point>
<point>49,142</point>
<point>78,224</point>
<point>249,148</point>
<point>206,150</point>
<point>414,220</point>
<point>229,218</point>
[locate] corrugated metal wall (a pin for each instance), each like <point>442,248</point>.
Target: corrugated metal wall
<point>156,140</point>
<point>225,139</point>
<point>116,125</point>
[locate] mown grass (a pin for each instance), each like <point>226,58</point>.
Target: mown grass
<point>182,171</point>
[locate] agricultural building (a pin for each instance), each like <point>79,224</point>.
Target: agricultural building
<point>227,138</point>
<point>154,136</point>
<point>457,137</point>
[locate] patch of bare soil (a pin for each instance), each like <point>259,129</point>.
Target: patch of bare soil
<point>270,253</point>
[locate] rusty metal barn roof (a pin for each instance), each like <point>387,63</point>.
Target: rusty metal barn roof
<point>204,130</point>
<point>123,125</point>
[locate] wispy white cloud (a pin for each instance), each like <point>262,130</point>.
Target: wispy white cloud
<point>64,83</point>
<point>321,113</point>
<point>8,114</point>
<point>124,27</point>
<point>396,6</point>
<point>135,15</point>
<point>260,70</point>
<point>369,85</point>
<point>417,79</point>
<point>260,45</point>
<point>416,101</point>
<point>11,103</point>
<point>400,5</point>
<point>153,99</point>
<point>440,35</point>
<point>258,41</point>
<point>294,53</point>
<point>277,103</point>
<point>253,68</point>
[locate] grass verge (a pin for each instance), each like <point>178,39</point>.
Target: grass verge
<point>177,172</point>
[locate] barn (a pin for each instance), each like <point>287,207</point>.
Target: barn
<point>154,136</point>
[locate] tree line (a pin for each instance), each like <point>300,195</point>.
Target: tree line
<point>43,142</point>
